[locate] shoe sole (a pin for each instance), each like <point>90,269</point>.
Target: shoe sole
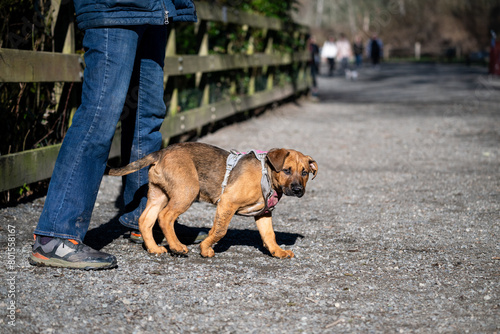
<point>58,263</point>
<point>136,239</point>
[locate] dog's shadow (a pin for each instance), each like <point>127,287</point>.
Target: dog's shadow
<point>105,234</point>
<point>251,238</point>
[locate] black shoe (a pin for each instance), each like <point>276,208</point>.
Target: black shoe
<point>69,253</point>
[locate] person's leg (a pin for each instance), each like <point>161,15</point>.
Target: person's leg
<point>109,58</point>
<point>345,65</point>
<point>359,60</point>
<point>314,88</point>
<point>82,159</point>
<point>330,66</point>
<point>143,118</point>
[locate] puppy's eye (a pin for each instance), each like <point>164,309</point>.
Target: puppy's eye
<point>287,171</point>
<point>304,173</point>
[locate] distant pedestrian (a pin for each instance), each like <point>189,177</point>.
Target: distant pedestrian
<point>329,52</point>
<point>314,62</point>
<point>358,49</point>
<point>344,53</point>
<point>375,50</point>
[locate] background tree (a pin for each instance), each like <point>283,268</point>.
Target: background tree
<point>464,25</point>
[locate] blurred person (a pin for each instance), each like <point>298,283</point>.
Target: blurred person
<point>358,49</point>
<point>314,62</point>
<point>329,52</point>
<point>375,50</point>
<point>344,54</point>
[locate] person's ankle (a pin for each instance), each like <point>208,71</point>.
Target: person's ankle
<point>44,239</point>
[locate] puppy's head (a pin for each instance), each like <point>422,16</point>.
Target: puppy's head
<point>291,170</point>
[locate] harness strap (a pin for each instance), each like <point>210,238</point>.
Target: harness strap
<point>265,182</point>
<point>231,161</point>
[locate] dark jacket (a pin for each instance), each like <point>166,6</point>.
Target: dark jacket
<point>112,13</point>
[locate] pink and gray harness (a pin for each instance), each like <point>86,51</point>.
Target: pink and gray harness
<point>271,197</point>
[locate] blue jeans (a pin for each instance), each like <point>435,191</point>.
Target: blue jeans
<point>359,60</point>
<point>118,60</point>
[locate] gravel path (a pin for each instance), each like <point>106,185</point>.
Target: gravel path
<point>400,231</point>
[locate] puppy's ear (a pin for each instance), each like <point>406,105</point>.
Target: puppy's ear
<point>313,167</point>
<point>276,158</point>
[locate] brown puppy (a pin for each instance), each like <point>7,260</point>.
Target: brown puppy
<point>183,173</point>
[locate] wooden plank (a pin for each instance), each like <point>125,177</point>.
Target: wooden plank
<point>195,118</point>
<point>35,165</point>
<point>190,64</point>
<point>27,167</point>
<point>33,66</point>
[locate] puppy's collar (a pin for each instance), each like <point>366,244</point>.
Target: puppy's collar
<point>271,197</point>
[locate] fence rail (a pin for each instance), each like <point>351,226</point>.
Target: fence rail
<point>35,165</point>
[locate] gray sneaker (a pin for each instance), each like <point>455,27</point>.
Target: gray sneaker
<point>69,253</point>
<point>202,235</point>
<point>136,237</point>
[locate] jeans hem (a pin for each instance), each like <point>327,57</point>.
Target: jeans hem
<point>128,224</point>
<point>57,235</point>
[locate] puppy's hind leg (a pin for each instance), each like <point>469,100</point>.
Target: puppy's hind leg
<point>177,205</point>
<point>156,202</point>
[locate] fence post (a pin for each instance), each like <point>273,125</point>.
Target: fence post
<point>201,78</point>
<point>63,32</point>
<point>269,70</point>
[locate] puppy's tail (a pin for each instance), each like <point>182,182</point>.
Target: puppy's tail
<point>136,165</point>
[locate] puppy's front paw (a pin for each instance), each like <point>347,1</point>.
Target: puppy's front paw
<point>207,252</point>
<point>180,250</point>
<point>157,250</point>
<point>283,254</point>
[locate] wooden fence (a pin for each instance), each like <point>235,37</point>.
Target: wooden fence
<point>65,66</point>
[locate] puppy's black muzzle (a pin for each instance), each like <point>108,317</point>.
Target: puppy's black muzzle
<point>297,189</point>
